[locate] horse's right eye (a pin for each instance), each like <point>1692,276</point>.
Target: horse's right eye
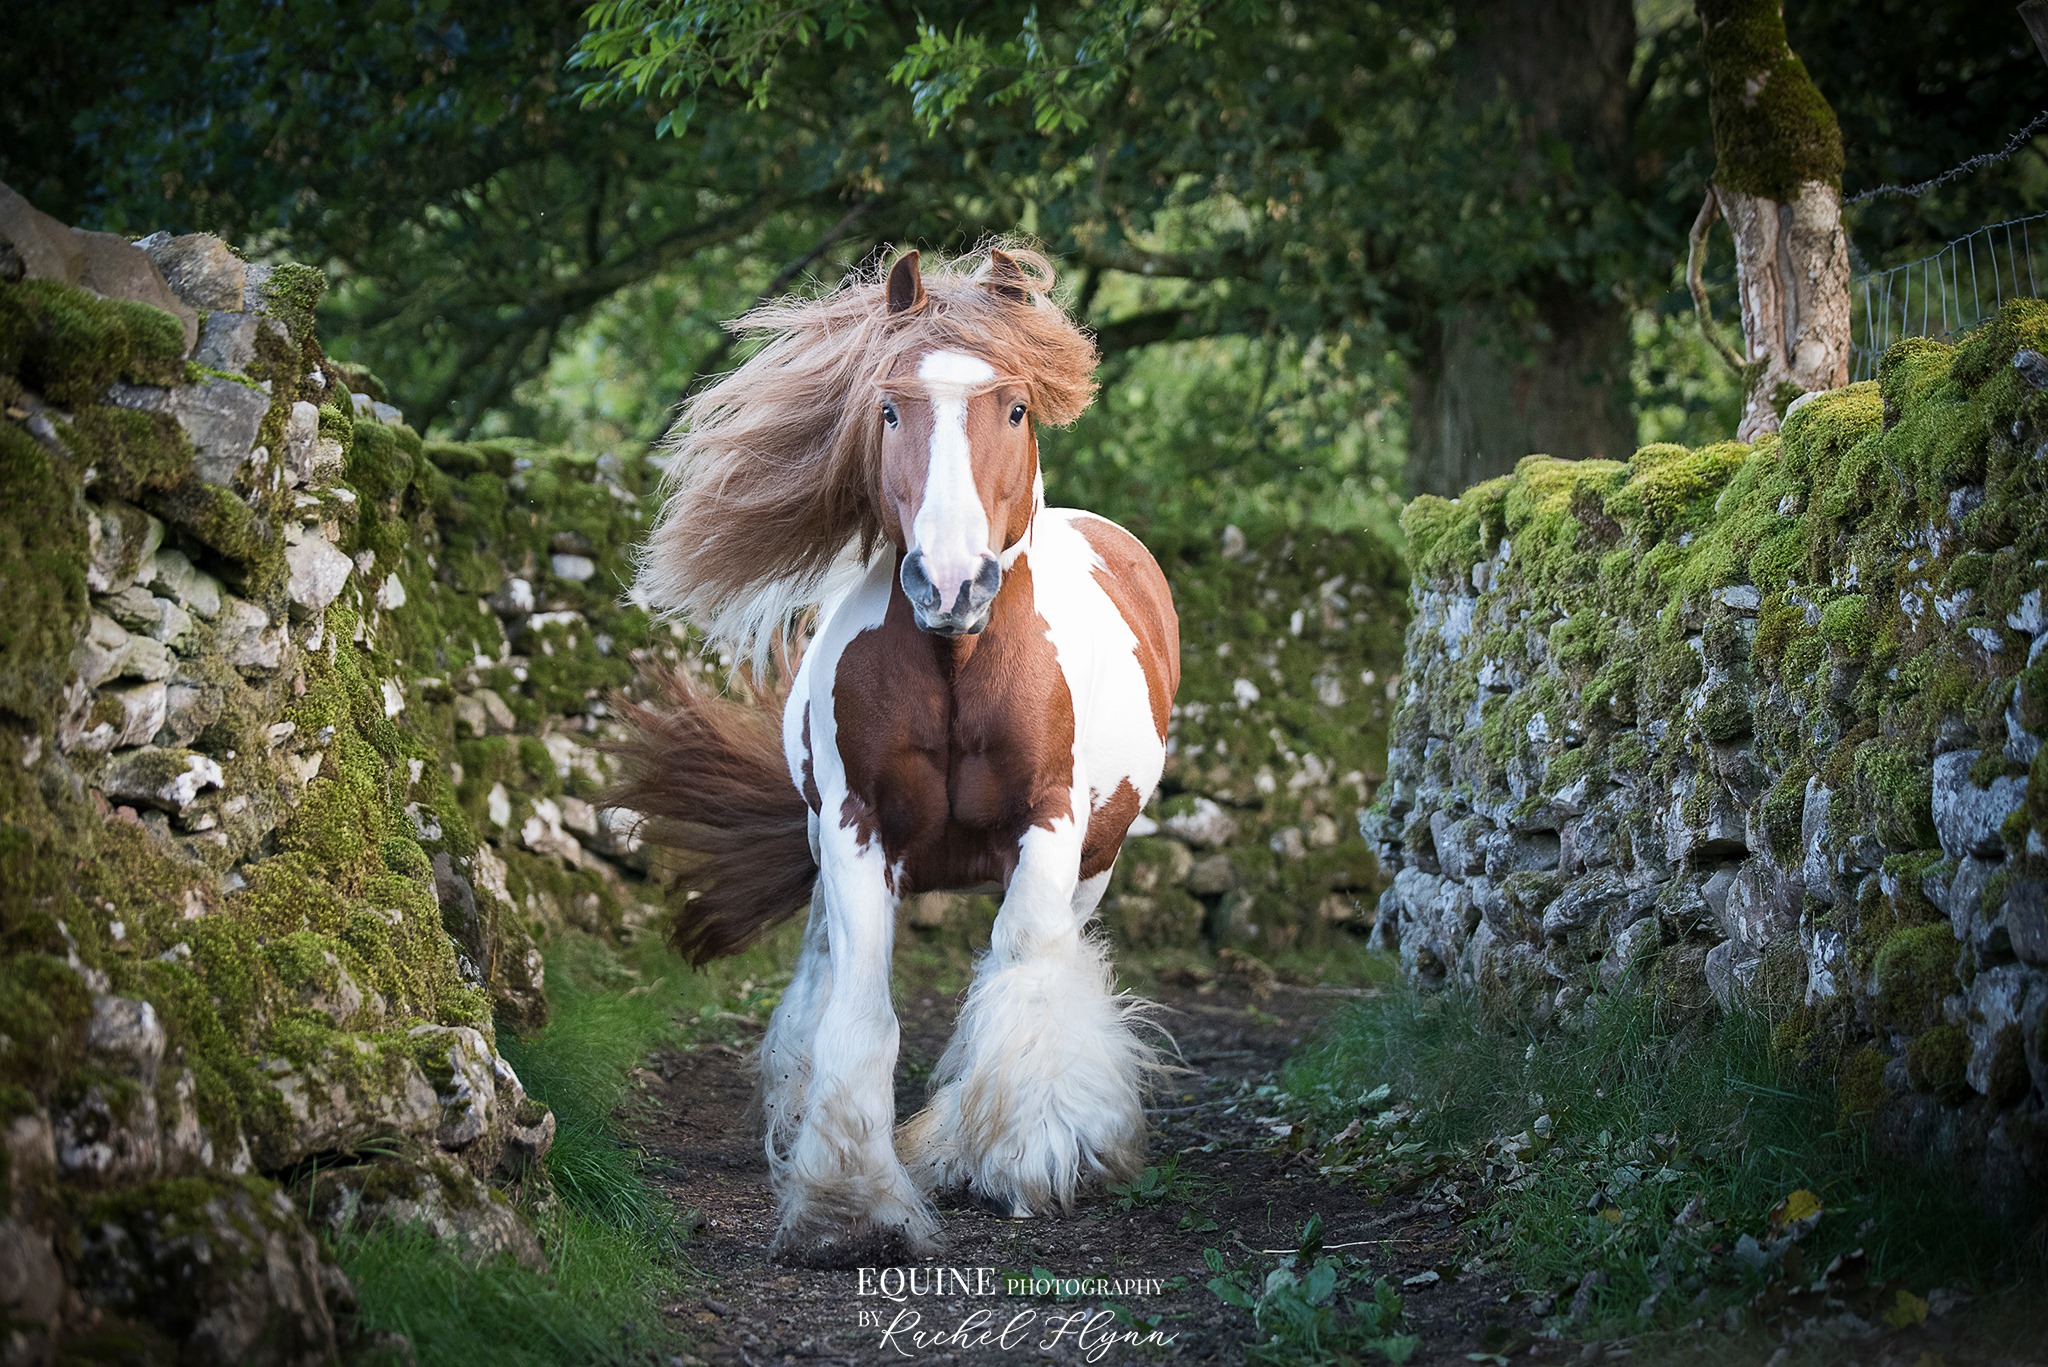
<point>888,412</point>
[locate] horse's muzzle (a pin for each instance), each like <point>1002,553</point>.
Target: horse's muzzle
<point>961,608</point>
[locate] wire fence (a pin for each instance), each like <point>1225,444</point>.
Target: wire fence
<point>1948,292</point>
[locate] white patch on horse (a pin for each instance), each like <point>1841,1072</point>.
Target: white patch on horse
<point>951,527</point>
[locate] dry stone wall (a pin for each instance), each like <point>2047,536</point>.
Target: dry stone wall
<point>1757,728</point>
<point>299,720</point>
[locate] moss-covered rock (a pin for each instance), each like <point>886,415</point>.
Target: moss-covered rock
<point>1787,693</point>
<point>254,908</point>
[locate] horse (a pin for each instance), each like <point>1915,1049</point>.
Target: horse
<point>982,702</point>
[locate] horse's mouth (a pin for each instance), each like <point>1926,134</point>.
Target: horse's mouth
<point>952,628</point>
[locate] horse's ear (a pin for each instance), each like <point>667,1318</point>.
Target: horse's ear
<point>906,287</point>
<point>1005,277</point>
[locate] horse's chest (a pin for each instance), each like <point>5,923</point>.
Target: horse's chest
<point>953,750</point>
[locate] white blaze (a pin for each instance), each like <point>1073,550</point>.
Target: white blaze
<point>951,527</point>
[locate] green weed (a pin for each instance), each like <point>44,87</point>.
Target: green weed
<point>1306,1311</point>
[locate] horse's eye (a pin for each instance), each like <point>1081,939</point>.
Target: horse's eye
<point>1016,414</point>
<point>888,412</point>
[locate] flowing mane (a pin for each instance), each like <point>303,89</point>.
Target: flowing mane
<point>773,485</point>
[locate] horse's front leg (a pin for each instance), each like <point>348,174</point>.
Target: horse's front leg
<point>845,1197</point>
<point>1043,1083</point>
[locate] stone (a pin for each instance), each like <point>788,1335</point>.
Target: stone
<point>1203,824</point>
<point>1460,844</point>
<point>332,1110</point>
<point>1815,870</point>
<point>440,1196</point>
<point>618,832</point>
<point>200,269</point>
<point>1582,903</point>
<point>464,1075</point>
<point>1968,819</point>
<point>172,574</point>
<point>121,543</point>
<point>319,572</point>
<point>31,1283</point>
<point>1741,598</point>
<point>529,1134</point>
<point>305,459</point>
<point>48,250</point>
<point>125,1034</point>
<point>116,269</point>
<point>144,710</point>
<point>577,569</point>
<point>2032,366</point>
<point>497,713</point>
<point>248,639</point>
<point>2026,920</point>
<point>1522,852</point>
<point>101,652</point>
<point>235,1278</point>
<point>1233,542</point>
<point>1731,970</point>
<point>222,418</point>
<point>169,780</point>
<point>227,341</point>
<point>1211,876</point>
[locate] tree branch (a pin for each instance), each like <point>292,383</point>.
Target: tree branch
<point>1696,281</point>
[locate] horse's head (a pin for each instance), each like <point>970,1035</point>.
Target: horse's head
<point>959,464</point>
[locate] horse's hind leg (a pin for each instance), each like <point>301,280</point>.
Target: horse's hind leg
<point>1043,1082</point>
<point>845,1197</point>
<point>785,1056</point>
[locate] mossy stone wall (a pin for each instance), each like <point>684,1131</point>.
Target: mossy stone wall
<point>299,718</point>
<point>1757,728</point>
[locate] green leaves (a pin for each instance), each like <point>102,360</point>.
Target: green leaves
<point>665,52</point>
<point>1306,1311</point>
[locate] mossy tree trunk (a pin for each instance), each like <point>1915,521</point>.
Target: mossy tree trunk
<point>1497,383</point>
<point>1778,183</point>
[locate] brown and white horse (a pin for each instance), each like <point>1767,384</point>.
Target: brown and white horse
<point>983,701</point>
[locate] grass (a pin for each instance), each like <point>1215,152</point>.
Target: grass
<point>1672,1168</point>
<point>615,1245</point>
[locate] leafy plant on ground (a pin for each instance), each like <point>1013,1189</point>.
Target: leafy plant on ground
<point>1315,1308</point>
<point>1644,1172</point>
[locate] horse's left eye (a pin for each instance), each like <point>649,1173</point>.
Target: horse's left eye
<point>1016,414</point>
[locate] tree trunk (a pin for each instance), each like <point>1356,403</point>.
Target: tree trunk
<point>1473,414</point>
<point>1491,388</point>
<point>1778,183</point>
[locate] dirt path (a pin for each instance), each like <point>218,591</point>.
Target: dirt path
<point>1237,1191</point>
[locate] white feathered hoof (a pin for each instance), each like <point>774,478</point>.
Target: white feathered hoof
<point>1042,1089</point>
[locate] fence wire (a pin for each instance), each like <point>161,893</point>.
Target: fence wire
<point>1949,292</point>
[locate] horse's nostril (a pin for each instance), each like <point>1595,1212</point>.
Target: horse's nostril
<point>987,580</point>
<point>917,585</point>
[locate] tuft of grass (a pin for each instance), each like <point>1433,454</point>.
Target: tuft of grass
<point>1654,1153</point>
<point>614,1243</point>
<point>598,1303</point>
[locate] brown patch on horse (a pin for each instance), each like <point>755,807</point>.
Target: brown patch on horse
<point>1134,582</point>
<point>1107,826</point>
<point>954,748</point>
<point>776,466</point>
<point>708,773</point>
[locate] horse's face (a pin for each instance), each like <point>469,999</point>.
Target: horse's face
<point>959,475</point>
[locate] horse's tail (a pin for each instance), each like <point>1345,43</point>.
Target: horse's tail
<point>708,773</point>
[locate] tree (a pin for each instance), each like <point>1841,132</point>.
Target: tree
<point>1778,184</point>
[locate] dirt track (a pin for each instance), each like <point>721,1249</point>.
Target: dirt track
<point>1246,1193</point>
